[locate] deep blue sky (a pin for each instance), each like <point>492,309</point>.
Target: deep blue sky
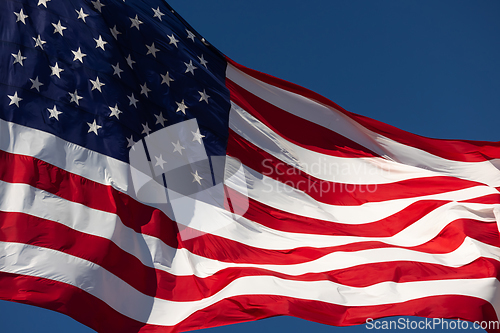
<point>431,67</point>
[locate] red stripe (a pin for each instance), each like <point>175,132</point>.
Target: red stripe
<point>71,301</point>
<point>99,316</point>
<point>449,239</point>
<point>289,222</point>
<point>338,193</point>
<point>492,199</point>
<point>27,229</point>
<point>458,150</point>
<point>295,129</point>
<point>253,307</point>
<point>356,276</point>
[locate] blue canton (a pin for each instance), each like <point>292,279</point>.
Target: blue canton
<point>104,74</point>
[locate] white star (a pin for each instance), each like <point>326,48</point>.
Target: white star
<point>20,16</point>
<point>190,35</point>
<point>15,99</point>
<point>100,43</point>
<point>56,70</point>
<point>36,84</point>
<point>181,107</point>
<point>204,96</point>
<point>18,58</point>
<point>177,147</point>
<point>131,142</point>
<point>75,98</point>
<point>135,22</point>
<point>160,161</point>
<point>130,62</point>
<point>58,28</point>
<point>197,136</point>
<point>203,62</point>
<point>132,100</point>
<point>97,84</point>
<point>39,41</point>
<point>145,89</point>
<point>173,40</point>
<point>93,127</point>
<point>54,113</point>
<point>115,32</point>
<point>190,67</point>
<point>166,79</point>
<point>117,70</point>
<point>197,177</point>
<point>146,129</point>
<point>158,13</point>
<point>81,14</point>
<point>152,50</point>
<point>160,119</point>
<point>78,55</point>
<point>43,2</point>
<point>115,111</point>
<point>98,5</point>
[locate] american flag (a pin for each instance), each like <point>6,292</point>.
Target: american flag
<point>347,218</point>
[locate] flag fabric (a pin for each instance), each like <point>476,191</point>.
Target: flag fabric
<point>344,218</point>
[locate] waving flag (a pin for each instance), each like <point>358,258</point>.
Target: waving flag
<point>149,183</point>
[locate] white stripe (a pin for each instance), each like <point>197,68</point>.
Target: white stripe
<point>97,167</point>
<point>485,172</point>
<point>33,261</point>
<point>365,170</point>
<point>286,198</point>
<point>22,140</point>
